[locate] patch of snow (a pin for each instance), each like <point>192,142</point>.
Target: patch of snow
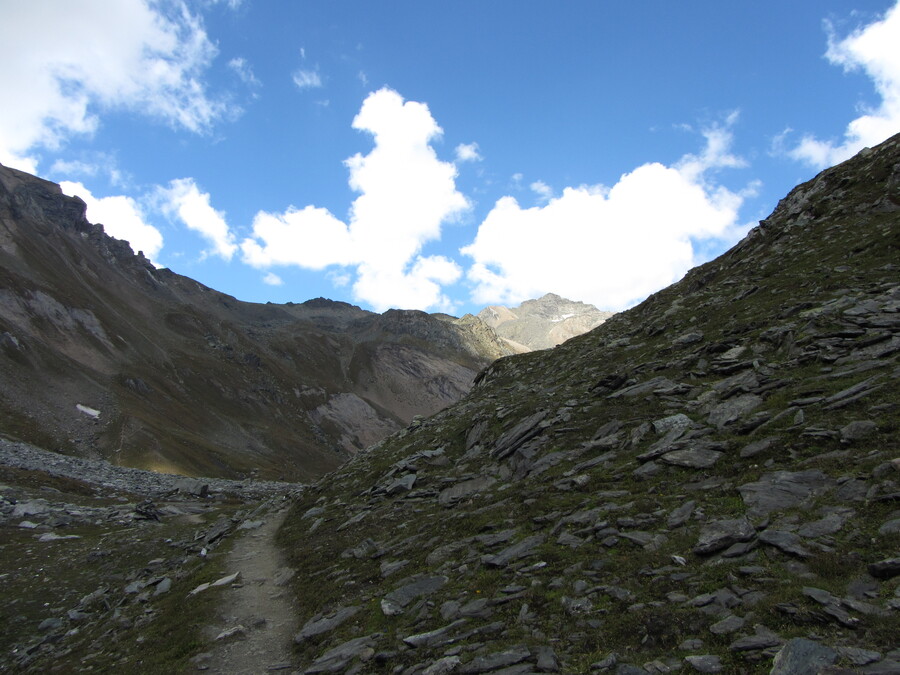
<point>562,318</point>
<point>90,412</point>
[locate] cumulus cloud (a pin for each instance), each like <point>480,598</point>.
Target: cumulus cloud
<point>307,79</point>
<point>273,279</point>
<point>405,194</point>
<point>64,63</point>
<point>468,152</point>
<point>873,50</point>
<point>183,200</point>
<point>608,246</point>
<point>121,217</point>
<point>310,237</point>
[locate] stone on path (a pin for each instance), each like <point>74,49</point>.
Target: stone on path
<point>236,631</point>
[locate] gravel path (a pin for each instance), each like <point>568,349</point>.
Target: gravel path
<point>258,618</point>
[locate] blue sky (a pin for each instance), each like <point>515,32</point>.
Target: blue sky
<point>440,155</point>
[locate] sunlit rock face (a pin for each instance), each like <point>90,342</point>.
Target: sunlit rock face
<point>543,323</point>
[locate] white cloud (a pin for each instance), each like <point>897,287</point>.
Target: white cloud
<point>405,194</point>
<point>716,153</point>
<point>243,70</point>
<point>608,246</point>
<point>339,279</point>
<point>100,164</point>
<point>121,218</point>
<point>273,279</point>
<point>64,63</point>
<point>419,287</point>
<point>307,79</point>
<point>874,50</point>
<point>183,200</point>
<point>542,190</point>
<point>74,168</point>
<point>310,237</point>
<point>468,152</point>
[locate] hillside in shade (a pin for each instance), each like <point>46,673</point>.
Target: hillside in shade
<point>103,355</point>
<point>708,482</point>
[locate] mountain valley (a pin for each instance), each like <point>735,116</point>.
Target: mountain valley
<point>708,482</point>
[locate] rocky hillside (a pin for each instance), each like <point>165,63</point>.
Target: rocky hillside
<point>102,354</point>
<point>709,482</point>
<point>543,323</point>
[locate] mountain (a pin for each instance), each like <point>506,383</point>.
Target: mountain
<point>543,323</point>
<point>104,355</point>
<point>708,482</point>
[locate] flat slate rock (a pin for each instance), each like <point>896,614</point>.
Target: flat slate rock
<point>728,625</point>
<point>434,637</point>
<point>704,663</point>
<point>336,660</point>
<point>664,425</point>
<point>885,569</point>
<point>786,542</point>
<point>783,489</point>
<point>395,602</point>
<point>692,458</point>
<point>451,495</point>
<point>720,534</point>
<point>492,662</point>
<point>733,409</point>
<point>828,525</point>
<point>515,552</point>
<point>802,657</point>
<point>679,516</point>
<point>320,624</point>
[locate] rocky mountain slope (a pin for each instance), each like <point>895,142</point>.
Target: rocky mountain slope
<point>101,354</point>
<point>542,323</point>
<point>709,482</point>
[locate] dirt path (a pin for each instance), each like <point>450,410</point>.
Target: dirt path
<point>257,621</point>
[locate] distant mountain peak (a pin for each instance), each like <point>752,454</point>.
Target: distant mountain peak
<point>543,322</point>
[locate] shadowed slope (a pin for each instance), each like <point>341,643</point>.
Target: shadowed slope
<point>174,376</point>
<point>707,479</point>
